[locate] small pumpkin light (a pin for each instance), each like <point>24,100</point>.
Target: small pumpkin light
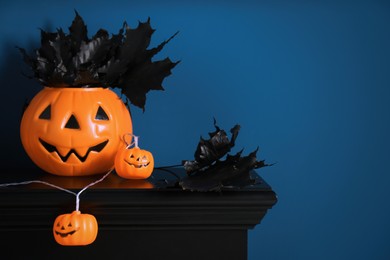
<point>75,229</point>
<point>72,229</point>
<point>134,163</point>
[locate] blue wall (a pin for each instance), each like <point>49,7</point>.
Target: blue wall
<point>308,82</point>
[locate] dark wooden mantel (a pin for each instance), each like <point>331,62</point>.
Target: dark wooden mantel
<point>138,219</point>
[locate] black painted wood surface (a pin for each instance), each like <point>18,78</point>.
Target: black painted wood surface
<point>138,219</point>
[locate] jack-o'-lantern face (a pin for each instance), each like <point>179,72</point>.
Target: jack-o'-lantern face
<point>74,131</point>
<point>75,229</point>
<point>134,163</point>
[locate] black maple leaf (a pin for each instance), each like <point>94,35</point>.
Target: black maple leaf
<point>210,150</point>
<point>122,60</point>
<point>209,173</point>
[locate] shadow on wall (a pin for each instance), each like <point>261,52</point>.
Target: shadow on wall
<point>17,90</point>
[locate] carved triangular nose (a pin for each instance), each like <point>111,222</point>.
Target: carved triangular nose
<point>72,123</point>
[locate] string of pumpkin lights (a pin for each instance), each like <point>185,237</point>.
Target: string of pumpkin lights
<point>66,225</point>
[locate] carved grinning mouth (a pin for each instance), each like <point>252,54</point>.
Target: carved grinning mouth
<point>137,165</point>
<point>66,234</point>
<point>51,148</point>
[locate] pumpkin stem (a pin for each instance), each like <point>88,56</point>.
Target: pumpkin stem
<point>129,144</point>
<point>77,202</point>
<point>136,141</point>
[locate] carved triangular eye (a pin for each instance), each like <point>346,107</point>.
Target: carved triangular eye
<point>70,225</point>
<point>72,123</point>
<point>101,115</point>
<point>46,114</point>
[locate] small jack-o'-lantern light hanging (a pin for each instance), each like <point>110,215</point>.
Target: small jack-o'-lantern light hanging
<point>134,162</point>
<point>75,229</point>
<point>72,229</point>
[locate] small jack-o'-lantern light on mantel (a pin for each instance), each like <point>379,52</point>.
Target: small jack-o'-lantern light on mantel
<point>134,162</point>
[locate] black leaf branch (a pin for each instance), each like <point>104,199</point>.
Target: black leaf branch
<point>208,172</point>
<point>122,60</point>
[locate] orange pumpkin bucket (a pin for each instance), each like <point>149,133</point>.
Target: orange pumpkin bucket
<point>73,127</point>
<point>74,131</point>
